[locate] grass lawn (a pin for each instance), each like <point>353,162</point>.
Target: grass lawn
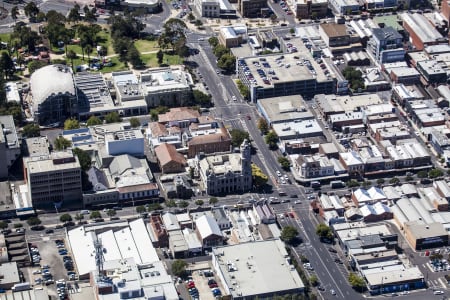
<point>151,61</point>
<point>5,37</point>
<point>118,66</point>
<point>146,46</point>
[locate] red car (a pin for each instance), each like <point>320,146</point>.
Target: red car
<point>291,215</point>
<point>248,117</point>
<point>213,285</point>
<point>190,284</point>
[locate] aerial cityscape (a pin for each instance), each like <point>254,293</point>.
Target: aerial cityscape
<point>224,149</point>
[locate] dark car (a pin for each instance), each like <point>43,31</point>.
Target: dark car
<point>38,227</point>
<point>48,231</point>
<point>331,249</point>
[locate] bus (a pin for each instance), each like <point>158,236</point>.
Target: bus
<point>337,184</point>
<point>315,184</point>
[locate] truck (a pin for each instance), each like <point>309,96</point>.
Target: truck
<point>18,287</point>
<point>335,184</point>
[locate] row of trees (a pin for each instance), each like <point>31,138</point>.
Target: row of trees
<point>225,60</point>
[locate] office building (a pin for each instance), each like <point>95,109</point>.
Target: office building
<point>386,45</point>
<point>9,144</point>
<point>251,8</point>
<point>51,179</point>
<point>421,32</point>
<point>305,9</point>
<point>232,36</point>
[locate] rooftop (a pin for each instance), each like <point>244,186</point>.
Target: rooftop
<point>55,162</point>
<point>422,27</point>
<point>334,30</point>
<point>250,271</point>
<point>282,109</point>
<point>8,132</point>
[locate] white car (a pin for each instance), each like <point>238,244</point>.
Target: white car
<point>234,98</point>
<point>333,292</point>
<point>438,292</point>
<point>278,173</point>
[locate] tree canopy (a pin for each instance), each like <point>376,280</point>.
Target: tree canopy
<point>284,162</point>
<point>324,231</point>
<point>354,77</point>
<point>71,124</point>
<point>33,221</point>
<point>238,137</point>
<point>113,117</point>
<point>31,130</point>
<point>93,120</point>
<point>357,282</point>
<point>84,158</point>
<point>173,35</point>
<point>259,178</point>
<point>65,218</point>
<point>289,234</point>
<point>95,215</point>
<point>134,122</point>
<point>271,139</point>
<point>61,143</point>
<point>179,268</point>
<point>263,126</point>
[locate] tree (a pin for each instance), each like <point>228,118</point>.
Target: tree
<point>199,202</point>
<point>71,124</point>
<point>324,231</point>
<point>3,225</point>
<point>380,181</point>
<point>202,99</point>
<point>64,218</point>
<point>219,50</point>
<point>435,173</point>
<point>93,120</point>
<point>84,158</point>
<point>61,143</point>
<point>354,77</point>
<point>259,178</point>
<point>35,64</point>
<point>134,122</point>
<point>113,117</point>
<point>171,203</point>
<point>79,217</point>
<point>238,137</point>
<point>7,67</point>
<point>31,130</point>
<point>31,10</point>
<point>367,184</point>
<point>134,57</point>
<point>227,62</point>
<point>409,178</point>
<point>173,35</point>
<point>314,280</point>
<point>263,126</point>
<point>213,200</point>
<point>154,206</point>
<point>179,268</point>
<point>422,174</point>
<point>18,225</point>
<point>357,282</point>
<point>33,221</point>
<point>157,111</point>
<point>95,215</point>
<point>289,234</point>
<point>74,14</point>
<point>111,212</point>
<point>71,55</point>
<point>213,41</point>
<point>436,256</point>
<point>243,89</point>
<point>14,13</point>
<point>352,183</point>
<point>394,180</point>
<point>88,50</point>
<point>284,162</point>
<point>160,56</point>
<point>271,139</point>
<point>140,209</point>
<point>183,204</point>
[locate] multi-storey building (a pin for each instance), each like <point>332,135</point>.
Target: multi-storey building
<point>226,173</point>
<point>386,45</point>
<point>305,9</point>
<point>53,179</point>
<point>310,166</point>
<point>251,8</point>
<point>9,144</point>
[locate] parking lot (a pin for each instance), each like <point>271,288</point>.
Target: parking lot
<point>50,271</point>
<point>201,283</point>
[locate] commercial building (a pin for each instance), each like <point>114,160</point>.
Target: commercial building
<point>379,4</point>
<point>169,86</point>
<point>311,166</point>
<point>393,278</point>
<point>232,36</point>
<point>283,109</point>
<point>305,9</point>
<point>207,139</point>
<point>421,32</point>
<point>9,144</point>
<point>423,236</point>
<point>208,232</point>
<point>248,272</point>
<point>271,76</point>
<point>251,8</point>
<point>215,9</point>
<point>332,104</point>
<point>386,45</point>
<point>53,178</point>
<point>344,7</point>
<point>298,129</point>
<point>433,71</point>
<point>54,97</point>
<point>226,173</point>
